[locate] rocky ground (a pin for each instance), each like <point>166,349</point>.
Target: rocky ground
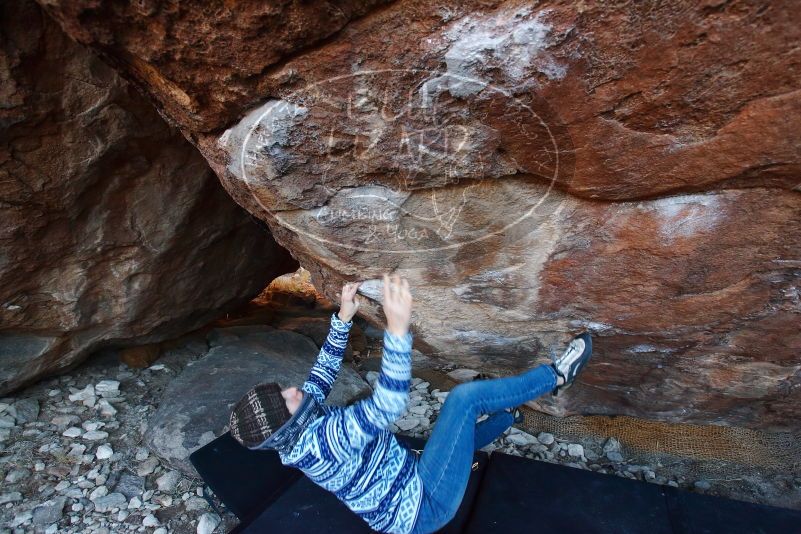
<point>73,455</point>
<point>72,459</point>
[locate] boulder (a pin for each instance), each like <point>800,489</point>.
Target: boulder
<point>189,416</point>
<point>316,328</point>
<point>628,169</point>
<point>140,356</point>
<point>49,512</point>
<point>130,485</point>
<point>211,54</point>
<point>114,230</point>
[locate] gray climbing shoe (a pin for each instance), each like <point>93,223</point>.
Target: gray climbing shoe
<point>573,360</point>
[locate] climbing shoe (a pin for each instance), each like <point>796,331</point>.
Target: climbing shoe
<point>573,360</point>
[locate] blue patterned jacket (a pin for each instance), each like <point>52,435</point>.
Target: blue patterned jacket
<point>349,451</point>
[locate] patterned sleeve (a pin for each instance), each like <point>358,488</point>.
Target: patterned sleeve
<point>325,370</point>
<point>370,416</point>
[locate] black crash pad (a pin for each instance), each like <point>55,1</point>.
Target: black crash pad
<point>692,513</point>
<point>245,481</point>
<point>506,493</point>
<point>521,495</point>
<point>305,507</point>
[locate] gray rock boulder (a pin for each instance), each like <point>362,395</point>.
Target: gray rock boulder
<point>109,502</point>
<point>50,512</point>
<point>197,404</point>
<point>26,410</point>
<point>114,230</point>
<point>130,485</point>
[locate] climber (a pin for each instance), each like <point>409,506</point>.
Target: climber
<point>350,452</point>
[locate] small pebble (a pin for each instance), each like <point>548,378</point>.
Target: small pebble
<point>95,435</point>
<point>15,475</point>
<point>611,445</point>
<point>208,522</point>
<point>104,452</point>
<point>100,491</point>
<point>92,425</point>
<point>22,518</point>
<point>147,467</point>
<point>575,450</point>
<point>702,485</point>
<point>167,482</point>
<point>72,432</point>
<point>12,496</point>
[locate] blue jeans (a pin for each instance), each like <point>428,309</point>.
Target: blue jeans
<point>447,458</point>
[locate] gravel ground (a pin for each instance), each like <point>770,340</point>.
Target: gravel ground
<point>71,458</point>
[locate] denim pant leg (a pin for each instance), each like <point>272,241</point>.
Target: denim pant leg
<point>492,427</point>
<point>445,464</point>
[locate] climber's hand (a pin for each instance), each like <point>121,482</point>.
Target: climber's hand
<point>397,305</point>
<point>348,305</point>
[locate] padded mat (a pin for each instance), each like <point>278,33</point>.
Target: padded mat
<point>245,481</point>
<point>521,495</point>
<point>692,513</point>
<point>505,494</point>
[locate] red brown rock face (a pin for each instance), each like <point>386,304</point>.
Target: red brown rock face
<point>113,228</point>
<point>535,170</point>
<point>203,61</point>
